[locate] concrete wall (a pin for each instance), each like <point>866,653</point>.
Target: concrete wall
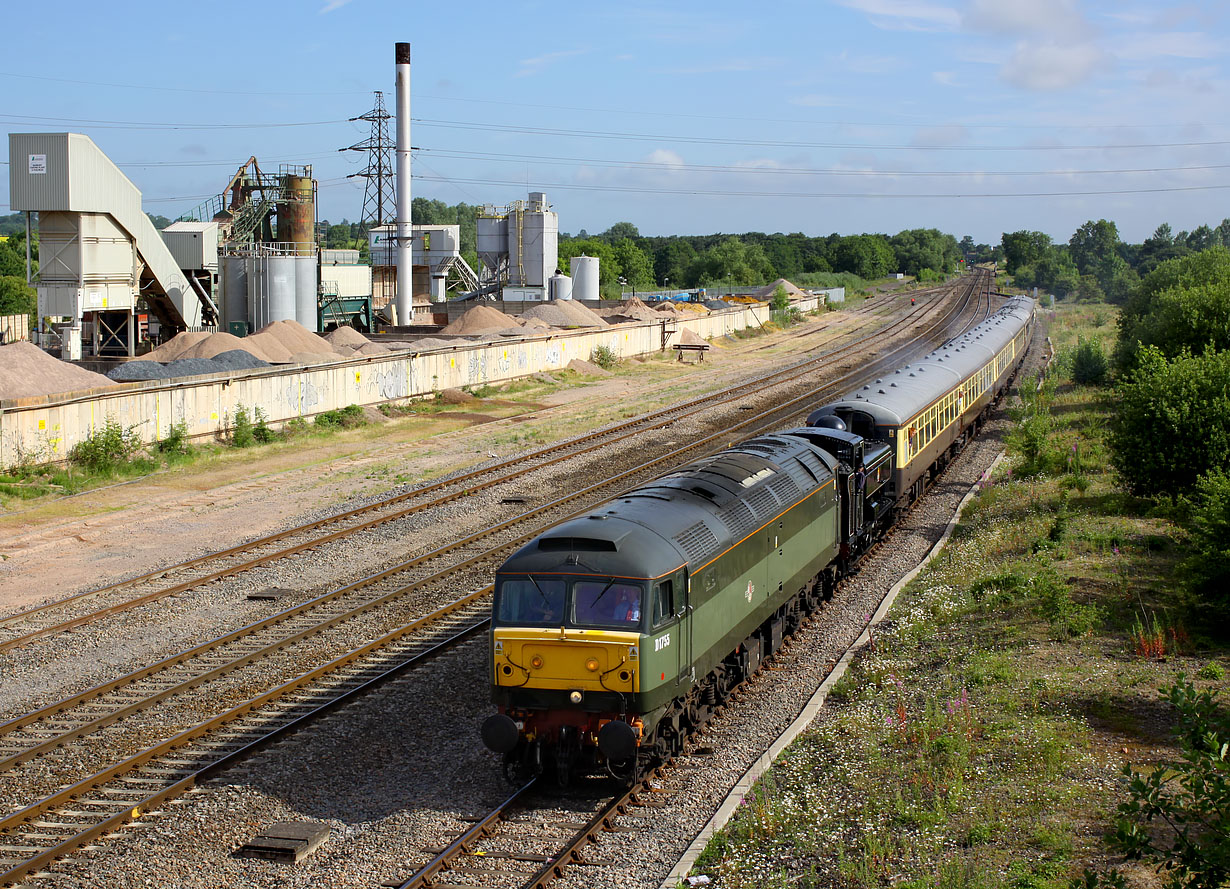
<point>44,429</point>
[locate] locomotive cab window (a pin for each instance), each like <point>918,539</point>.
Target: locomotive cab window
<point>606,603</point>
<point>530,600</point>
<point>663,602</point>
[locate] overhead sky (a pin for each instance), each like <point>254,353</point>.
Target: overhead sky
<point>975,117</point>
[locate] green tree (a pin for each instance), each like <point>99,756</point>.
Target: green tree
<point>1182,303</point>
<point>673,260</point>
<point>609,268</point>
<point>925,248</point>
<point>1173,424</point>
<point>1207,523</point>
<point>16,297</point>
<point>1022,248</point>
<point>620,231</point>
<point>868,256</point>
<point>634,264</point>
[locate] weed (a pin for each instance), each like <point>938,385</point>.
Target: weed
<point>240,429</point>
<point>105,450</point>
<point>176,443</point>
<point>604,357</point>
<point>1067,618</point>
<point>1154,636</point>
<point>1212,670</point>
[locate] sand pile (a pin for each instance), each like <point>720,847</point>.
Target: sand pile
<point>688,337</point>
<point>295,338</point>
<point>479,320</point>
<point>372,349</point>
<point>667,308</point>
<point>587,367</point>
<point>634,310</point>
<point>178,345</point>
<point>346,336</point>
<point>764,294</point>
<point>26,370</point>
<point>564,313</point>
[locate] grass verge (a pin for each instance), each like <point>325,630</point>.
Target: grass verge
<point>980,742</point>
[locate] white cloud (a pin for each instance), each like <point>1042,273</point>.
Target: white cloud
<point>906,15</point>
<point>1059,17</point>
<point>1052,66</point>
<point>538,63</point>
<point>332,5</point>
<point>664,156</point>
<point>945,78</point>
<point>1175,44</point>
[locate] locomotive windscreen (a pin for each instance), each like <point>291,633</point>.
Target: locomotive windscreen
<point>588,602</point>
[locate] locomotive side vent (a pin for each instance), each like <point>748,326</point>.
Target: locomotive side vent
<point>697,541</point>
<point>762,503</point>
<point>739,519</point>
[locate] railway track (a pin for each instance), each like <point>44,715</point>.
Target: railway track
<point>49,619</point>
<point>49,759</point>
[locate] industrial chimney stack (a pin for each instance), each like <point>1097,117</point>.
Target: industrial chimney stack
<point>404,307</point>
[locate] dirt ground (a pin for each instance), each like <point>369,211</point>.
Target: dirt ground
<point>51,549</point>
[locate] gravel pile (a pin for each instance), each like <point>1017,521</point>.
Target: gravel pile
<point>764,294</point>
<point>480,320</point>
<point>235,359</point>
<point>346,336</point>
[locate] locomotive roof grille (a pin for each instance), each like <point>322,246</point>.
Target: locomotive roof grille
<point>579,544</point>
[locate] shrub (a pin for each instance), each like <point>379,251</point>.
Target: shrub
<point>1191,796</point>
<point>1089,364</point>
<point>261,432</point>
<point>604,357</point>
<point>781,299</point>
<point>176,443</point>
<point>1207,523</point>
<point>1173,424</point>
<point>241,432</point>
<point>106,449</point>
<point>1031,436</point>
<point>349,417</point>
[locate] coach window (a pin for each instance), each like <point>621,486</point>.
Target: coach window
<point>663,602</point>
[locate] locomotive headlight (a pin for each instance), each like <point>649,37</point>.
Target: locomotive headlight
<point>592,665</point>
<point>574,696</point>
<point>536,662</point>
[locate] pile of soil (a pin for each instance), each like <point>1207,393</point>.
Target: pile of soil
<point>27,370</point>
<point>667,308</point>
<point>480,320</point>
<point>588,368</point>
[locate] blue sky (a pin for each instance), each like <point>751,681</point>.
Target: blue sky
<point>974,117</point>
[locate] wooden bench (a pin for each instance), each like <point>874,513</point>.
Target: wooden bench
<point>699,348</point>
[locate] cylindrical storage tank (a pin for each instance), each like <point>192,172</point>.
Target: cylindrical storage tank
<point>280,271</point>
<point>258,292</point>
<point>297,216</point>
<point>560,287</point>
<point>585,277</point>
<point>234,289</point>
<point>305,292</point>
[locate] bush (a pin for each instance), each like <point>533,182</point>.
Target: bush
<point>604,357</point>
<point>1030,437</point>
<point>261,431</point>
<point>241,432</point>
<point>1191,797</point>
<point>1208,526</point>
<point>781,299</point>
<point>176,443</point>
<point>1089,364</point>
<point>1173,424</point>
<point>349,417</point>
<point>106,449</point>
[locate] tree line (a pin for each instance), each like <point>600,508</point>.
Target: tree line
<point>1096,264</point>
